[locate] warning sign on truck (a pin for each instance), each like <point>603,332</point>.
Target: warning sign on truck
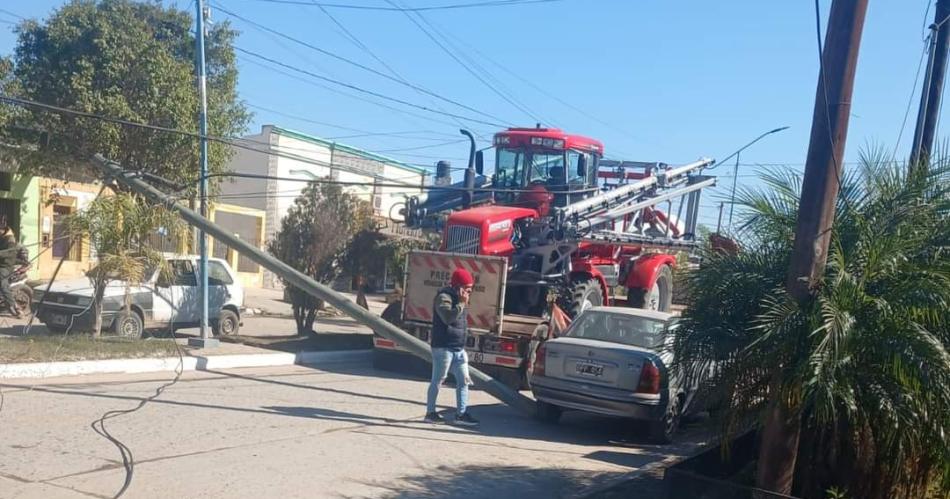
<point>430,271</point>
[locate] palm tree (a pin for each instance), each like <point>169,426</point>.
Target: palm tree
<point>120,229</point>
<point>864,366</point>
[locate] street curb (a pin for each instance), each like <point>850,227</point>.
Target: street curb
<point>604,487</point>
<point>190,363</point>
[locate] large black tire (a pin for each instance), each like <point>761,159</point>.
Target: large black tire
<point>227,324</point>
<point>662,431</point>
<point>128,325</point>
<point>548,413</point>
<point>660,298</point>
<point>585,294</point>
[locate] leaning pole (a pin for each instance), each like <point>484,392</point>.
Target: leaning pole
<point>128,179</point>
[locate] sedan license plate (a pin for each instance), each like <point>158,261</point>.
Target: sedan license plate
<point>589,369</point>
<point>58,319</point>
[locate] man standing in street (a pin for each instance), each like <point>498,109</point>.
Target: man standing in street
<point>449,329</point>
<point>9,250</point>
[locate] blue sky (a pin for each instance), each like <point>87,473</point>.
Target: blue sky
<point>666,81</point>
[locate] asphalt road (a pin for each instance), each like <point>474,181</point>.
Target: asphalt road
<point>339,431</point>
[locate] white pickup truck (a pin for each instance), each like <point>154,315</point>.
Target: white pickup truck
<point>158,303</point>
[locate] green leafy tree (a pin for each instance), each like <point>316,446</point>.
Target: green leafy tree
<point>121,230</point>
<point>863,368</point>
<point>124,59</point>
<point>313,239</point>
<point>370,247</point>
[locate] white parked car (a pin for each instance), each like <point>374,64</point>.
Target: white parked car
<point>612,361</point>
<point>171,302</point>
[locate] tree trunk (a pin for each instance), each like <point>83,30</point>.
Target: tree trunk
<point>311,317</point>
<point>100,288</point>
<point>779,448</point>
<point>299,318</point>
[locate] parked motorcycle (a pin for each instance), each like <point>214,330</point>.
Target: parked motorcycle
<point>22,293</point>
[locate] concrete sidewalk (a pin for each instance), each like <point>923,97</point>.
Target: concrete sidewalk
<point>264,341</point>
<point>269,302</point>
<point>227,356</point>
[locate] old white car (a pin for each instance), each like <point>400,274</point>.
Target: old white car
<point>169,300</point>
<point>611,361</point>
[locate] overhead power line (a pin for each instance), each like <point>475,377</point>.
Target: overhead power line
<point>355,40</point>
<point>362,90</point>
<point>14,14</point>
<point>231,141</point>
<point>467,68</point>
<point>541,90</point>
<point>341,92</point>
<point>351,62</point>
<point>493,3</point>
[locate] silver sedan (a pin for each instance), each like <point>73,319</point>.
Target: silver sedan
<point>612,361</point>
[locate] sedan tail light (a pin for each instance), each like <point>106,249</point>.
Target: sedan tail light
<point>539,355</point>
<point>649,378</point>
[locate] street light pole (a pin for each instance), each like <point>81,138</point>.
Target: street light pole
<point>735,176</point>
<point>204,341</point>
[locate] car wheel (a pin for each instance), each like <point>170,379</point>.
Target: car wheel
<point>660,298</point>
<point>228,324</point>
<point>662,431</point>
<point>548,413</point>
<point>128,325</point>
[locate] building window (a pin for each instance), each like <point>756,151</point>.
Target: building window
<point>6,181</point>
<point>61,241</point>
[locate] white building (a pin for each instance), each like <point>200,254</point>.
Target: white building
<point>286,155</point>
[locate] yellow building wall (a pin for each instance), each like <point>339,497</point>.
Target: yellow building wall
<point>248,279</point>
<point>58,198</point>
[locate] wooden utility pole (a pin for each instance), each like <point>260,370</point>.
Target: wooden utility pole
<point>829,132</point>
<point>782,427</point>
<point>930,96</point>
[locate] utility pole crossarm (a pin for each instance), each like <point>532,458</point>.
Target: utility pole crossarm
<point>305,283</point>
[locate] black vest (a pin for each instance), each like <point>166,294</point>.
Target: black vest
<point>451,336</point>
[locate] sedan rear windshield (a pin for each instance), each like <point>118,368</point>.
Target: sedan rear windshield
<point>618,328</point>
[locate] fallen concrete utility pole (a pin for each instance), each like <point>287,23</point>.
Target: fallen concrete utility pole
<point>415,346</point>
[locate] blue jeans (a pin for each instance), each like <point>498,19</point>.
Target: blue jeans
<point>443,360</point>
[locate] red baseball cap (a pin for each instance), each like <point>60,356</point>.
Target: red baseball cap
<point>461,278</point>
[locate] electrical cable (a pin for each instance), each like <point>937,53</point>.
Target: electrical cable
<point>340,92</point>
<point>39,306</point>
<point>824,87</point>
<point>363,90</point>
<point>99,425</point>
<point>465,66</point>
<point>358,131</point>
<point>14,14</point>
<point>541,90</point>
<point>362,46</point>
<point>362,133</point>
<point>910,100</point>
<point>492,3</point>
<point>351,62</point>
<point>228,141</point>
<point>499,84</point>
